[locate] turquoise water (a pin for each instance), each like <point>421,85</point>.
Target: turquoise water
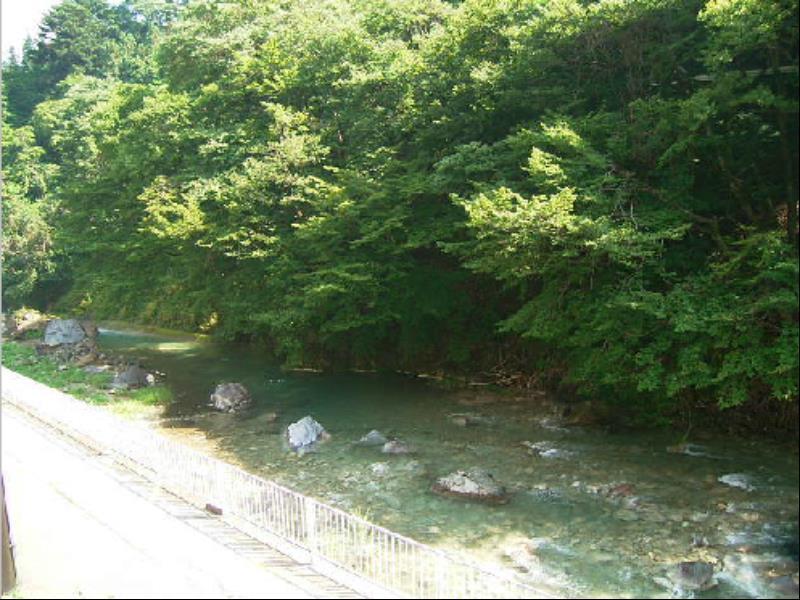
<point>605,514</point>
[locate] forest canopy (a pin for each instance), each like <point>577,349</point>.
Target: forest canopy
<point>600,195</point>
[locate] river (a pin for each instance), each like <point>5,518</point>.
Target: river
<point>600,514</point>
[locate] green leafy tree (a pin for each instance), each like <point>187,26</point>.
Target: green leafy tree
<point>602,194</point>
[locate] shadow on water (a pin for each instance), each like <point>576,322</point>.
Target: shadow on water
<point>606,513</point>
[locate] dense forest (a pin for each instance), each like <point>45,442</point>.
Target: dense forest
<point>598,196</point>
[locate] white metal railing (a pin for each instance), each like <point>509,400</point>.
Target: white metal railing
<point>343,546</point>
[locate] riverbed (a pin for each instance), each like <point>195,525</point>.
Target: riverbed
<point>592,513</point>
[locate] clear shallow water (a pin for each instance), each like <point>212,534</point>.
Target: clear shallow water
<point>595,535</point>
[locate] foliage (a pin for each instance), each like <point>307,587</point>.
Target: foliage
<point>28,255</point>
<point>22,358</point>
<point>601,192</point>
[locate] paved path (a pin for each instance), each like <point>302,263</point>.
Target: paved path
<point>83,526</point>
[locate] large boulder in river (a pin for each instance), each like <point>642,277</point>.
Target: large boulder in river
<point>231,397</point>
<point>63,331</point>
<point>303,434</point>
<point>132,377</point>
<point>474,484</point>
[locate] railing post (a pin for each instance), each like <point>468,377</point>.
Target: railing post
<point>311,528</point>
<point>441,577</point>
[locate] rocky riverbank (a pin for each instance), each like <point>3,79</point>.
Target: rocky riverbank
<point>64,353</point>
<point>585,509</point>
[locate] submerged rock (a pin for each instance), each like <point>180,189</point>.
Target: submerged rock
<point>467,419</point>
<point>692,576</point>
<point>474,484</point>
<point>546,449</point>
<point>688,449</point>
<point>626,514</point>
<point>63,331</point>
<point>527,558</point>
<point>620,490</point>
<point>231,397</point>
<point>524,556</point>
<point>761,575</point>
<point>132,377</point>
<point>396,447</point>
<point>542,493</point>
<point>373,438</point>
<point>416,468</point>
<point>737,480</point>
<point>379,469</point>
<point>552,424</point>
<point>303,434</point>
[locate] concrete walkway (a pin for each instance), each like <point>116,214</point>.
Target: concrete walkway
<point>84,527</point>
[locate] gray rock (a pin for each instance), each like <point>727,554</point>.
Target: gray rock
<point>63,331</point>
<point>305,433</point>
<point>692,575</point>
<point>379,469</point>
<point>473,484</point>
<point>416,468</point>
<point>737,480</point>
<point>546,449</point>
<point>373,438</point>
<point>688,449</point>
<point>81,353</point>
<point>230,397</point>
<point>547,495</point>
<point>396,447</point>
<point>625,514</point>
<point>467,419</point>
<point>132,377</point>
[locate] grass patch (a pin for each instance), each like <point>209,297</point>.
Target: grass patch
<point>23,359</point>
<point>130,409</point>
<point>32,334</point>
<point>156,395</point>
<point>89,387</point>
